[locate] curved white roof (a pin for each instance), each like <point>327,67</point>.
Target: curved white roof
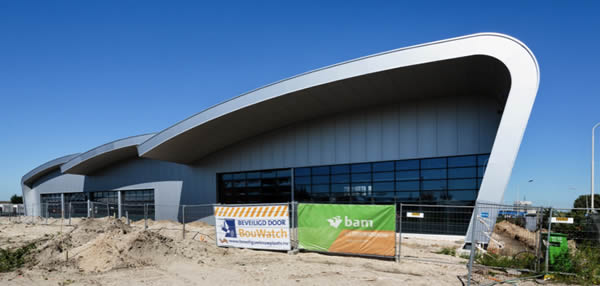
<point>45,168</point>
<point>334,89</point>
<point>104,155</point>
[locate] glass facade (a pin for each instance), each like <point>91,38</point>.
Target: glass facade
<point>51,205</point>
<point>442,180</point>
<point>267,186</point>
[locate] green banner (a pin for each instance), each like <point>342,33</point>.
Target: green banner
<point>356,229</point>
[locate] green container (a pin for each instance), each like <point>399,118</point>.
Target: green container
<point>558,246</point>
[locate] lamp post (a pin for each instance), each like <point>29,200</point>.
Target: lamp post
<point>519,189</point>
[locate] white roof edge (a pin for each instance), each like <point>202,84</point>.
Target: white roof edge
<point>295,83</point>
<point>105,148</point>
<point>47,166</point>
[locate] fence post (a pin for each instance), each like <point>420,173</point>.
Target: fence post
<point>400,235</point>
<point>88,209</point>
<point>473,247</point>
<point>127,216</point>
<point>107,209</point>
<point>145,216</point>
<point>548,241</point>
<point>46,213</point>
<point>292,226</point>
<point>183,219</point>
<point>70,212</point>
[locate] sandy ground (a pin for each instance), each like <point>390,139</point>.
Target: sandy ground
<point>109,252</point>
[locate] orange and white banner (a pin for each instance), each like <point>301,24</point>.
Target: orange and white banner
<point>260,227</point>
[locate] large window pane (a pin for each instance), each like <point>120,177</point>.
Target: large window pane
<point>302,180</point>
<point>482,160</point>
<point>324,170</point>
<point>480,171</point>
<point>227,176</point>
<point>320,188</point>
<point>470,172</point>
<point>433,174</point>
<point>383,186</point>
<point>434,185</point>
<point>361,189</point>
<point>253,175</point>
<point>268,174</point>
<point>383,167</point>
<point>239,176</point>
<point>340,188</point>
<point>284,173</point>
<point>462,184</point>
<point>253,183</point>
<point>407,175</point>
<point>384,176</point>
<point>302,171</point>
<point>361,168</point>
<point>433,195</point>
<point>462,161</point>
<point>364,177</point>
<point>340,169</point>
<point>462,195</point>
<point>433,163</point>
<point>407,186</point>
<point>407,196</point>
<point>407,165</point>
<point>340,178</point>
<point>320,179</point>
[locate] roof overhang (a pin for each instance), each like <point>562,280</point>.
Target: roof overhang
<point>491,63</point>
<point>45,169</point>
<point>105,155</point>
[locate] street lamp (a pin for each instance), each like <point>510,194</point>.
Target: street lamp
<point>593,131</point>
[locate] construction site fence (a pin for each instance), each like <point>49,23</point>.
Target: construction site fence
<point>527,238</point>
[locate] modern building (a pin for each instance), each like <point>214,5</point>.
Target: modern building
<point>438,123</point>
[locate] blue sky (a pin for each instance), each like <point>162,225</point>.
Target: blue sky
<point>77,74</point>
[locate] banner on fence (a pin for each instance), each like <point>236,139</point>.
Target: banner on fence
<point>356,229</point>
<point>562,220</point>
<point>260,227</point>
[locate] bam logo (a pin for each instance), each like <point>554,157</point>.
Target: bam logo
<point>229,228</point>
<point>336,221</point>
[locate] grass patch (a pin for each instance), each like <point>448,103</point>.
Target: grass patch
<point>524,261</point>
<point>13,259</point>
<point>447,251</point>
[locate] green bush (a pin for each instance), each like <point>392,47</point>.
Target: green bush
<point>13,259</point>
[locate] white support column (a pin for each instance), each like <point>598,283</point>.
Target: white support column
<point>119,203</point>
<point>62,205</point>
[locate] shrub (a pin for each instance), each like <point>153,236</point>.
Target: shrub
<point>13,259</point>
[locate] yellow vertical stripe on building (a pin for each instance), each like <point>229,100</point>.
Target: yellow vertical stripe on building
<point>219,211</point>
<point>235,212</point>
<point>216,210</point>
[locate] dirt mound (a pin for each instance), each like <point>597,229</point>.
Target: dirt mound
<point>510,239</point>
<point>98,245</point>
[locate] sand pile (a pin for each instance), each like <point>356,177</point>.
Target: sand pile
<point>514,238</point>
<point>100,245</point>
